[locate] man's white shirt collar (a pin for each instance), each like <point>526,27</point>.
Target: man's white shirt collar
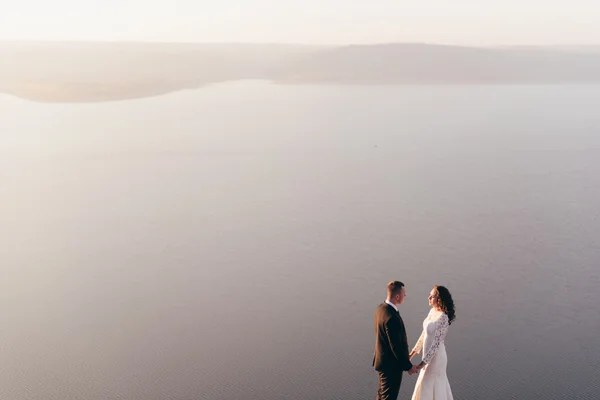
<point>392,304</point>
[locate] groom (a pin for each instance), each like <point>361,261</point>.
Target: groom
<point>391,345</point>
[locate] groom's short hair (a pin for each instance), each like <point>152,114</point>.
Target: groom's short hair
<point>394,288</point>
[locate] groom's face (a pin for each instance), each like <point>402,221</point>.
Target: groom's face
<point>400,297</point>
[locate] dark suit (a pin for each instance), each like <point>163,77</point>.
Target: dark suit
<point>391,351</point>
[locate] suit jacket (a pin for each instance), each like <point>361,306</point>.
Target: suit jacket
<point>391,344</point>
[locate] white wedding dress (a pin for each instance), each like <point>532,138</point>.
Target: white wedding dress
<point>432,383</point>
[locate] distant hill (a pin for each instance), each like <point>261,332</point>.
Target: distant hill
<point>71,71</point>
<point>433,64</point>
<point>68,72</point>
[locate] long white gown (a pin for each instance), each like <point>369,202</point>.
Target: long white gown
<point>432,383</point>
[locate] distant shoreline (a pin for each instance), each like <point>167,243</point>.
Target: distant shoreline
<point>80,72</point>
<point>83,97</point>
<point>64,93</point>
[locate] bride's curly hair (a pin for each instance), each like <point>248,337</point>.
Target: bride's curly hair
<point>445,302</point>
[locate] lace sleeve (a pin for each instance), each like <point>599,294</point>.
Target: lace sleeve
<point>441,328</point>
<point>419,346</point>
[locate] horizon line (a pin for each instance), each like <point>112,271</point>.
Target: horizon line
<point>43,41</point>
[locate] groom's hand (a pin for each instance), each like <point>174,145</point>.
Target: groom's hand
<point>413,370</point>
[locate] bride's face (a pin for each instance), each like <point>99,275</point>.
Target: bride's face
<point>433,297</point>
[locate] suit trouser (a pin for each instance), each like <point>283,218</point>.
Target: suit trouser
<point>389,385</point>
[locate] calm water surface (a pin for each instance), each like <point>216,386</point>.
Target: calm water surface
<point>233,242</point>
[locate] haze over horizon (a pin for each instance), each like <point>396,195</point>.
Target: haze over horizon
<point>334,22</point>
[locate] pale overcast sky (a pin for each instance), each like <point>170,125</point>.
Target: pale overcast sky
<point>468,22</point>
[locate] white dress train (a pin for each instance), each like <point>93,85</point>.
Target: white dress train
<point>432,383</point>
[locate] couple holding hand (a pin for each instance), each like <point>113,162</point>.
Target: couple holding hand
<point>391,346</point>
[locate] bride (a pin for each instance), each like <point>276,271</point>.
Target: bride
<point>432,383</point>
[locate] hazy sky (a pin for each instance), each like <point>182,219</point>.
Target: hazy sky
<point>471,22</point>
